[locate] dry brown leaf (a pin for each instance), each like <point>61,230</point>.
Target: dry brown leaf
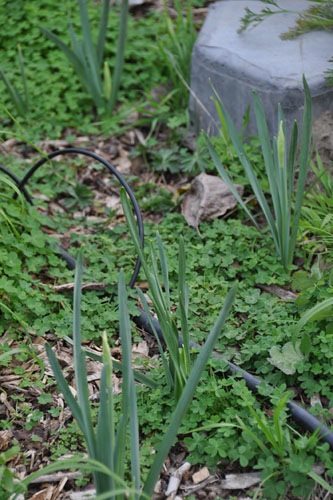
<point>94,370</point>
<point>112,202</point>
<point>44,494</point>
<point>65,359</point>
<point>140,137</point>
<point>141,350</point>
<point>208,198</point>
<point>123,163</point>
<point>6,437</point>
<point>116,384</point>
<point>143,285</point>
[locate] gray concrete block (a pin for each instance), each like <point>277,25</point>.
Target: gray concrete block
<point>236,64</point>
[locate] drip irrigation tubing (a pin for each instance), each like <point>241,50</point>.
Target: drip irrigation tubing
<point>300,415</point>
<point>21,184</point>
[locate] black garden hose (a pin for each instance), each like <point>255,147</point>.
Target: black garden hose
<point>300,415</point>
<point>21,184</point>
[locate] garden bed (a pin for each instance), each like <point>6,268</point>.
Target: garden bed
<point>79,207</point>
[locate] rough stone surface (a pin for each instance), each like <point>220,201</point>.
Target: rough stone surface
<point>323,139</point>
<point>259,59</point>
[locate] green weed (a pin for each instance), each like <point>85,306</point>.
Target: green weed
<point>280,166</point>
<point>179,366</point>
<point>316,224</point>
<point>176,50</point>
<point>291,469</point>
<point>64,102</point>
<point>19,99</point>
<point>9,483</point>
<point>86,56</point>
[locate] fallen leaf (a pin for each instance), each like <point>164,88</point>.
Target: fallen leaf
<point>6,437</point>
<point>112,202</point>
<point>116,384</point>
<point>285,357</point>
<point>141,349</point>
<point>44,494</point>
<point>208,198</point>
<point>123,163</point>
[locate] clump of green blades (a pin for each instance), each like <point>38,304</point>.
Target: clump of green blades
<point>87,57</point>
<point>286,173</point>
<point>178,364</point>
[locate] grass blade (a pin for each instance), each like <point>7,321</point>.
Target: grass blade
<point>271,170</point>
<point>160,348</point>
<point>283,215</point>
<point>129,392</point>
<point>279,433</point>
<point>318,479</point>
<point>77,47</point>
<point>323,308</point>
<point>139,377</point>
<point>237,143</point>
<point>120,444</point>
<point>167,323</point>
<point>223,125</point>
<point>253,436</point>
<point>80,368</point>
<point>223,173</point>
<point>236,140</point>
<point>303,162</point>
<point>64,388</point>
<point>103,24</point>
<point>166,320</point>
<point>93,69</point>
<point>14,94</point>
<point>77,63</point>
<point>24,79</point>
<point>105,432</point>
<point>83,464</point>
<point>271,167</point>
<point>183,307</point>
<point>263,426</point>
<point>164,269</point>
<point>107,81</point>
<point>120,58</point>
<point>292,159</point>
